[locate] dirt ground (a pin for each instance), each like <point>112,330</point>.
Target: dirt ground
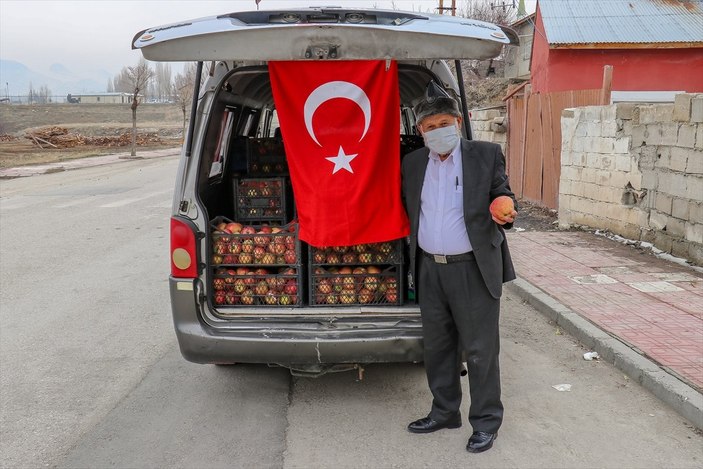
<point>88,120</point>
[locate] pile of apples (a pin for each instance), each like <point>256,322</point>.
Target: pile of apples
<point>375,253</point>
<point>235,243</point>
<point>359,285</point>
<point>255,287</point>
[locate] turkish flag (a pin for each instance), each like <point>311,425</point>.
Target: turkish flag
<point>340,123</point>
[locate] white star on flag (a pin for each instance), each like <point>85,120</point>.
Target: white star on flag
<point>341,161</point>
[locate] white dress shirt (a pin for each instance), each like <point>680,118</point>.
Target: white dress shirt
<point>442,228</point>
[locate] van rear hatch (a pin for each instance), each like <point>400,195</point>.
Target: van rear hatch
<point>324,33</point>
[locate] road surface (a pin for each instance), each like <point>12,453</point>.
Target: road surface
<point>91,376</point>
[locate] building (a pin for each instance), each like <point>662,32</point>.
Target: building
<point>517,58</point>
<point>653,45</point>
<point>101,98</point>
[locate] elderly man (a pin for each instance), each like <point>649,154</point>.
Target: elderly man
<point>458,199</point>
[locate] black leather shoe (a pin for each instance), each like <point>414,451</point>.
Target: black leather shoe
<point>429,425</point>
<point>480,442</point>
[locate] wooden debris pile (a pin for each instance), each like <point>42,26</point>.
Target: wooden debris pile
<point>7,138</point>
<point>60,137</point>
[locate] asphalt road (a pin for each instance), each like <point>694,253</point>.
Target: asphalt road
<point>91,376</point>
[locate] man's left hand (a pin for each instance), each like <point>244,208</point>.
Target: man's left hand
<point>503,210</point>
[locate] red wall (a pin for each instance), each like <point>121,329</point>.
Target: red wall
<point>633,69</point>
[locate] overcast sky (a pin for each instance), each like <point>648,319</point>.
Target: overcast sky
<point>97,35</point>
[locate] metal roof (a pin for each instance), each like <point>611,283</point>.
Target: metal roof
<point>574,22</point>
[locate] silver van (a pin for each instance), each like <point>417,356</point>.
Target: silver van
<point>244,288</point>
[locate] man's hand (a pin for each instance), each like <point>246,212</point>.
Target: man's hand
<point>503,210</point>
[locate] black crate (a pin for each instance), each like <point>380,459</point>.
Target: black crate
<point>261,199</point>
<point>388,252</point>
<point>273,258</point>
<point>347,286</point>
<point>251,287</point>
<point>266,157</point>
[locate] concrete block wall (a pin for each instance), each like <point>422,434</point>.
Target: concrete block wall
<point>490,125</point>
<point>636,170</point>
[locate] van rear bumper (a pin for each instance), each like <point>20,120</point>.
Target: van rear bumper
<point>319,343</point>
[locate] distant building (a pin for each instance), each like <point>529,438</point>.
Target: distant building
<point>517,58</point>
<point>653,45</point>
<point>102,98</point>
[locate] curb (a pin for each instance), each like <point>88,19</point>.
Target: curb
<point>680,396</point>
<point>87,162</point>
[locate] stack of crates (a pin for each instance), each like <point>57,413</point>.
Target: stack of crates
<point>363,274</point>
<point>255,265</point>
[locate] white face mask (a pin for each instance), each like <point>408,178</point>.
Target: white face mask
<point>442,140</point>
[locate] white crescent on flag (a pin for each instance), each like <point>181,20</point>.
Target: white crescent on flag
<point>331,90</point>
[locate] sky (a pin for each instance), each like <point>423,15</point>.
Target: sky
<point>97,34</point>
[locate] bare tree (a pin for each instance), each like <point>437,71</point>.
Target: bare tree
<point>139,77</point>
<point>491,11</point>
<point>183,86</point>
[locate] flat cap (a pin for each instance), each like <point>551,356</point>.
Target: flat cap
<point>436,101</point>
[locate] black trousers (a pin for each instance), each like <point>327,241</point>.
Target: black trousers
<point>459,313</point>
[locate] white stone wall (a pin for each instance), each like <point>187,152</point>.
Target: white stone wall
<point>490,125</point>
<point>636,170</point>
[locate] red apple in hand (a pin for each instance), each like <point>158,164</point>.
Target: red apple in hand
<point>503,210</point>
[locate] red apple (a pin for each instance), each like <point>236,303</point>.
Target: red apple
<point>220,298</point>
<point>239,285</point>
<point>218,283</point>
<point>246,258</point>
<point>247,298</point>
<point>365,258</point>
<point>290,256</point>
<point>291,287</point>
<point>233,228</point>
<point>365,296</point>
<point>230,298</point>
<point>271,298</point>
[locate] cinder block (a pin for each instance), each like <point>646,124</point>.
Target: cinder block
<point>491,113</point>
<point>589,174</point>
<point>591,191</point>
<point>625,129</point>
<point>682,107</point>
<point>663,203</point>
<point>658,220</point>
<point>609,128</point>
<point>694,232</point>
<point>662,240</point>
<point>679,248</point>
<point>571,173</point>
<point>647,157</point>
<point>695,210</point>
<point>668,182</point>
<point>694,164</point>
<point>695,253</point>
<point>591,113</point>
<point>650,114</point>
<point>639,135</point>
<point>500,137</point>
<point>607,162</point>
<point>687,136</point>
<point>680,208</point>
<point>676,227</point>
<point>694,187</point>
<point>699,137</point>
<point>697,109</point>
<point>615,178</point>
<point>624,110</point>
<point>678,158</point>
<point>581,129</point>
<point>564,201</point>
<point>621,145</point>
<point>578,158</point>
<point>654,134</point>
<point>608,112</point>
<point>650,180</point>
<point>593,128</point>
<point>568,113</point>
<point>623,162</point>
<point>593,160</point>
<point>662,157</point>
<point>606,145</point>
<point>670,133</point>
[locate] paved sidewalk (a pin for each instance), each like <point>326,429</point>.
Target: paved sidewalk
<point>652,305</point>
<point>32,170</point>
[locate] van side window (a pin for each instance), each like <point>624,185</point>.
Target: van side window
<point>223,139</point>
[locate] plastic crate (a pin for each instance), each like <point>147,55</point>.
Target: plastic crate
<point>388,252</point>
<point>254,246</point>
<point>262,199</point>
<point>358,286</point>
<point>266,157</point>
<point>250,287</point>
<point>240,261</point>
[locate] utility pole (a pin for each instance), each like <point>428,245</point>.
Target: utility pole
<point>442,8</point>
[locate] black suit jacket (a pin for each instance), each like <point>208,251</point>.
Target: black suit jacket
<point>484,179</point>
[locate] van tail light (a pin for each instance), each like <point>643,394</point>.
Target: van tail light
<point>184,261</point>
